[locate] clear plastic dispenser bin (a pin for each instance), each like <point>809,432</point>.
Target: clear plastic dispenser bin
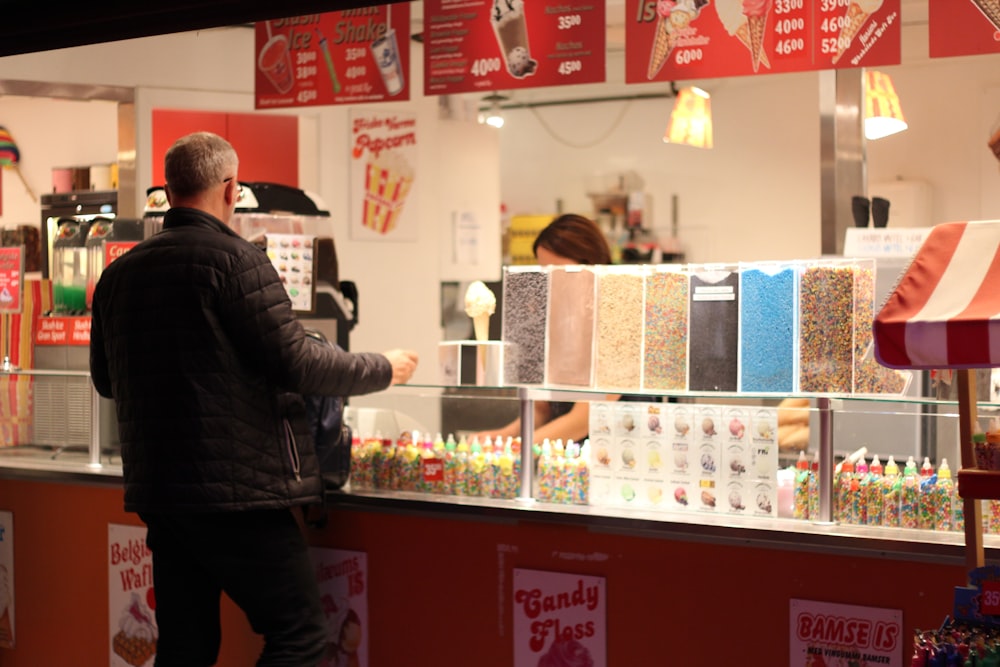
<point>619,327</point>
<point>768,327</point>
<point>522,327</point>
<point>713,349</point>
<point>665,336</point>
<point>830,292</point>
<point>571,326</point>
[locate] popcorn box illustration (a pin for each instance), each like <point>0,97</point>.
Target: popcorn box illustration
<point>388,179</point>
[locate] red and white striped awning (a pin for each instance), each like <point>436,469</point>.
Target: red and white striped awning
<point>945,309</point>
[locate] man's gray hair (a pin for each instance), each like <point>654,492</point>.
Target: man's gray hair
<point>197,162</point>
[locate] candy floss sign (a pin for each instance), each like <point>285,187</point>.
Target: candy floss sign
<point>131,603</point>
<point>383,172</point>
<point>559,619</point>
<point>840,635</point>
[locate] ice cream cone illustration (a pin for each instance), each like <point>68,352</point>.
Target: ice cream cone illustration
<point>990,9</point>
<point>858,13</point>
<point>730,13</point>
<point>756,12</point>
<point>661,47</point>
<point>674,19</point>
<point>387,182</point>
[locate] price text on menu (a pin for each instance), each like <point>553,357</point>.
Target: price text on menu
<point>689,39</point>
<point>485,45</point>
<point>345,57</point>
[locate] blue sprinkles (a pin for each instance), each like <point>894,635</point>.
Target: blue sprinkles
<point>767,343</point>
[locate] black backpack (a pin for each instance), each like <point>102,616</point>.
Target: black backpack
<point>332,436</point>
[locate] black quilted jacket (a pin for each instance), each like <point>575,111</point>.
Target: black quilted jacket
<point>194,337</point>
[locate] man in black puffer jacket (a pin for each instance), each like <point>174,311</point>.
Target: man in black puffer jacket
<point>194,336</point>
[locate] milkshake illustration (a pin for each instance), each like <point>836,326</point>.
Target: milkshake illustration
<point>511,31</point>
<point>858,13</point>
<point>736,24</point>
<point>387,182</point>
<point>385,51</point>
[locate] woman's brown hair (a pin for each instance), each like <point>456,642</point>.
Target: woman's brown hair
<point>576,238</point>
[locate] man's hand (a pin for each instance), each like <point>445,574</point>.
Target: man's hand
<point>404,362</point>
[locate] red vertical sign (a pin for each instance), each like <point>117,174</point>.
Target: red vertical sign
<point>11,274</point>
<point>691,39</point>
<point>963,27</point>
<point>345,57</point>
<point>473,45</point>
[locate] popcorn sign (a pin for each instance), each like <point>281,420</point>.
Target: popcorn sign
<point>559,619</point>
<point>383,158</point>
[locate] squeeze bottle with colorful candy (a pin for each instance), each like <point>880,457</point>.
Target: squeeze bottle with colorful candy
<point>843,492</point>
<point>927,496</point>
<point>800,492</point>
<point>582,495</point>
<point>858,481</point>
<point>474,469</point>
<point>543,466</point>
<point>909,496</point>
<point>871,491</point>
<point>892,485</point>
<point>944,498</point>
<point>487,485</point>
<point>450,465</point>
<point>813,487</point>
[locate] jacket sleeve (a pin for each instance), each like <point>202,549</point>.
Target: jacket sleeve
<point>258,317</point>
<point>98,359</point>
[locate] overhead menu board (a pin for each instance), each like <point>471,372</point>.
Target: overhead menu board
<point>346,57</point>
<point>485,45</point>
<point>963,27</point>
<point>694,39</point>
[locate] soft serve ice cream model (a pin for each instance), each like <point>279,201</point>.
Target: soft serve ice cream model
<point>858,13</point>
<point>735,22</point>
<point>387,182</point>
<point>480,303</point>
<point>511,31</point>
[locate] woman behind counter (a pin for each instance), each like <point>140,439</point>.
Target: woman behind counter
<point>569,239</point>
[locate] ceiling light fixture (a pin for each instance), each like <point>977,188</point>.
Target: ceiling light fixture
<point>883,115</point>
<point>493,116</point>
<point>691,119</point>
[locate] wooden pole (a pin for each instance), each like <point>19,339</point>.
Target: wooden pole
<point>972,507</point>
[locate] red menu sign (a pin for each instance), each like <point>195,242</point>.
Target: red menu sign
<point>345,57</point>
<point>11,268</point>
<point>695,39</point>
<point>481,45</point>
<point>963,27</point>
<point>69,330</point>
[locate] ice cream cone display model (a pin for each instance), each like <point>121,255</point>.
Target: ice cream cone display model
<point>991,10</point>
<point>858,13</point>
<point>480,303</point>
<point>388,178</point>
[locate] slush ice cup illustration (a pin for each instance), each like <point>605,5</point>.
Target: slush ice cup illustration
<point>512,36</point>
<point>275,61</point>
<point>387,182</point>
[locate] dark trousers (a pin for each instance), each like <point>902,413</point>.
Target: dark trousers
<point>260,560</point>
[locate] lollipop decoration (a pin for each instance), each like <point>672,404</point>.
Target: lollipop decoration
<point>10,156</point>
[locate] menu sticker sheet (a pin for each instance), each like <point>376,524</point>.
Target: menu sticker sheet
<point>292,257</point>
<point>736,459</point>
<point>653,460</point>
<point>667,40</point>
<point>6,579</point>
<point>487,45</point>
<point>347,57</point>
<point>600,453</point>
<point>626,450</point>
<point>343,584</point>
<point>764,462</point>
<point>559,619</point>
<point>682,461</point>
<point>383,176</point>
<point>131,602</point>
<point>963,27</point>
<point>709,458</point>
